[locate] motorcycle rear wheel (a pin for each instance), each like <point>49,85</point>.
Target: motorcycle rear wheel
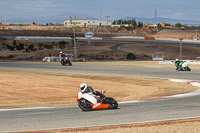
<point>70,64</point>
<point>84,105</point>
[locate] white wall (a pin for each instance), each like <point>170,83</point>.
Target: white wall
<point>82,23</point>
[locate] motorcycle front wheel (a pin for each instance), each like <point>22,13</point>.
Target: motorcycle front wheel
<point>112,103</point>
<point>84,105</point>
<point>62,63</point>
<point>70,64</point>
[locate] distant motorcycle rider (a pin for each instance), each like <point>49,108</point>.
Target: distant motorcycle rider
<point>64,59</point>
<point>62,55</point>
<point>89,89</point>
<point>177,63</point>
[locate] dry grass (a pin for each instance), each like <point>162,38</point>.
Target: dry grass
<point>183,126</point>
<point>33,27</point>
<point>31,89</point>
<point>185,34</point>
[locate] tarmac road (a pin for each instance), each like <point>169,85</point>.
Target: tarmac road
<point>73,117</point>
<point>151,72</point>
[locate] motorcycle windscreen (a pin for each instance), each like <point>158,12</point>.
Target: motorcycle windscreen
<point>99,106</point>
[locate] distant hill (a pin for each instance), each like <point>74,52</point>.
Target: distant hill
<point>161,19</point>
<point>60,18</point>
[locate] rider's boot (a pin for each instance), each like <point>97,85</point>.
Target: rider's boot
<point>103,99</point>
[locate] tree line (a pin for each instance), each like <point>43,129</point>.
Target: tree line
<point>133,23</point>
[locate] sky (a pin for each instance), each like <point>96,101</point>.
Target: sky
<point>116,9</point>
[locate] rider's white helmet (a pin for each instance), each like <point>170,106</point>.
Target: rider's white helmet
<point>83,87</point>
<point>177,59</point>
<point>61,52</point>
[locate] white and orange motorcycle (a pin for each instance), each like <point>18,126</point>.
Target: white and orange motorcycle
<point>89,102</point>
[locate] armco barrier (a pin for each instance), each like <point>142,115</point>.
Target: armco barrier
<point>53,38</point>
<point>173,61</point>
<point>128,37</point>
<point>149,38</point>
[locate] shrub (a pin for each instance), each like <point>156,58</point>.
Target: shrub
<point>40,46</point>
<point>10,47</point>
<point>131,56</point>
<point>2,57</point>
<point>30,47</point>
<point>14,43</point>
<point>62,44</point>
<point>46,46</point>
<point>10,56</point>
<point>20,46</point>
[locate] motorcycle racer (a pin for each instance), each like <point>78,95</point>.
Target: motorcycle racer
<point>177,62</point>
<point>88,89</point>
<point>89,100</point>
<point>62,55</point>
<point>64,59</point>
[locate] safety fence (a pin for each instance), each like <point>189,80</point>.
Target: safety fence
<point>191,62</point>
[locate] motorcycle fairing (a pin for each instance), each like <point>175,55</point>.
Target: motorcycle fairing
<point>99,106</point>
<point>184,64</point>
<point>88,97</point>
<point>78,96</point>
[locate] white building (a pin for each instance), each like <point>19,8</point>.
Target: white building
<point>87,23</point>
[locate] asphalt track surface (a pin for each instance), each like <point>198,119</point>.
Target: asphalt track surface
<point>127,113</point>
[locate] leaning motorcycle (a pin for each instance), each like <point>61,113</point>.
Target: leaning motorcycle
<point>89,102</point>
<point>183,66</point>
<point>64,61</point>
